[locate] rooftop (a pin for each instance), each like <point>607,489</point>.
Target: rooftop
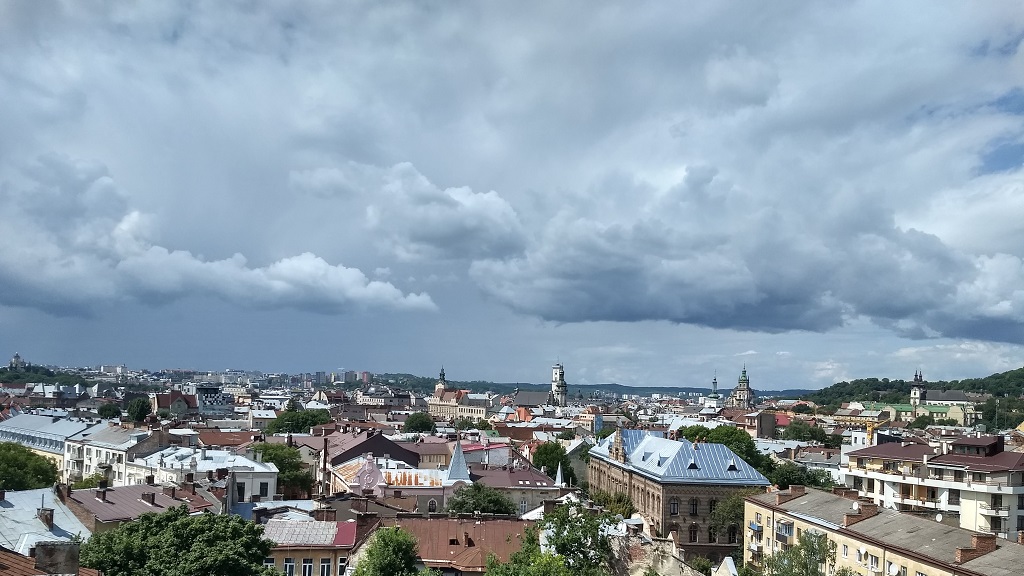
<point>21,528</point>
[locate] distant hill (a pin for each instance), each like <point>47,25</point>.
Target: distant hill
<point>424,384</point>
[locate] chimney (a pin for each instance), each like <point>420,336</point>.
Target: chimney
<point>102,484</point>
<point>465,539</point>
<point>56,557</point>
<point>101,495</point>
<point>3,495</point>
<point>1020,537</point>
<point>150,480</point>
<point>364,519</point>
<point>190,477</point>
<point>795,491</point>
<point>46,516</point>
<point>149,498</point>
<point>209,475</point>
<point>981,544</point>
<point>325,514</point>
<point>169,491</point>
<point>866,510</point>
<point>222,473</point>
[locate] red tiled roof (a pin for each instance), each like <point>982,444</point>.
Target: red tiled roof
<point>895,451</point>
<point>218,438</point>
<point>346,535</point>
<point>442,542</point>
<point>125,502</point>
<point>14,564</point>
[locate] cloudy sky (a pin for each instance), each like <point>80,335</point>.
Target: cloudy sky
<point>646,192</point>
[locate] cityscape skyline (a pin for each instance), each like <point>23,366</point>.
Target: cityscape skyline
<point>648,195</point>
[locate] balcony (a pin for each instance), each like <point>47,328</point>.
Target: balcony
<point>783,538</point>
<point>755,547</point>
<point>755,526</point>
<point>990,510</point>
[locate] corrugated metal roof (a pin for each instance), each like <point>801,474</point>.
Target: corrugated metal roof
<point>20,527</point>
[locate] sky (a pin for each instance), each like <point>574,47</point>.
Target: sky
<point>650,193</point>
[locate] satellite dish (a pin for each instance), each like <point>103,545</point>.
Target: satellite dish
<point>863,550</point>
<point>856,506</point>
<point>893,569</point>
<point>938,517</point>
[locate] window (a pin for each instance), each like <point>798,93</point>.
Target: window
<point>241,491</point>
<point>342,564</point>
<point>694,503</point>
<point>325,567</point>
<point>711,506</point>
<point>269,563</point>
<point>872,561</point>
<point>712,534</point>
<point>289,567</point>
<point>846,551</point>
<point>757,517</point>
<point>432,506</point>
<point>693,532</point>
<point>734,534</point>
<point>522,506</point>
<point>673,507</point>
<point>871,484</point>
<point>264,489</point>
<point>307,567</point>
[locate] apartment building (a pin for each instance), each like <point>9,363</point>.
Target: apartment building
<point>110,445</point>
<point>675,485</point>
<point>972,478</point>
<point>872,540</point>
<point>45,435</point>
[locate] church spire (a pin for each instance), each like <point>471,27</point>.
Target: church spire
<point>558,477</point>
<point>458,470</point>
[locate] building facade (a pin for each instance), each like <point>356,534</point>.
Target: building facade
<point>675,485</point>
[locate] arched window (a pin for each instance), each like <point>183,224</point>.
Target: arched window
<point>693,532</point>
<point>712,534</point>
<point>673,507</point>
<point>694,503</point>
<point>432,505</point>
<point>733,534</point>
<point>711,505</point>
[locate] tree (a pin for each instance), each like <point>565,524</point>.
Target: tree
<point>549,455</point>
<point>790,473</point>
<point>291,470</point>
<point>578,536</point>
<point>298,421</point>
<point>729,511</point>
<point>734,439</point>
<point>479,497</point>
<point>616,503</point>
<point>800,430</point>
<point>702,565</point>
<point>922,422</point>
<point>391,552</point>
<point>814,555</point>
<point>138,409</point>
<point>176,544</point>
<point>109,411</point>
<point>419,422</point>
<point>23,469</point>
<point>528,560</point>
<point>566,435</point>
<point>802,409</point>
<point>88,482</point>
<point>467,423</point>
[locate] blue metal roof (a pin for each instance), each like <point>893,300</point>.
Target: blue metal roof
<point>680,462</point>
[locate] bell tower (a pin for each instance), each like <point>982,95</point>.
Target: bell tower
<point>558,385</point>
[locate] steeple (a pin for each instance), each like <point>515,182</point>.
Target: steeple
<point>458,470</point>
<point>558,386</point>
<point>558,477</point>
<point>441,384</point>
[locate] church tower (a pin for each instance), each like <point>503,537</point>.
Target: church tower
<point>558,386</point>
<point>441,384</point>
<point>742,396</point>
<point>917,391</point>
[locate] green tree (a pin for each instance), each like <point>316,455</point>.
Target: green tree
<point>23,469</point>
<point>702,565</point>
<point>109,411</point>
<point>419,422</point>
<point>729,511</point>
<point>479,497</point>
<point>802,409</point>
<point>578,536</point>
<point>88,482</point>
<point>298,421</point>
<point>528,560</point>
<point>175,543</point>
<point>800,430</point>
<point>391,552</point>
<point>467,423</point>
<point>138,409</point>
<point>566,435</point>
<point>814,555</point>
<point>549,455</point>
<point>922,422</point>
<point>615,503</point>
<point>292,472</point>
<point>734,439</point>
<point>790,473</point>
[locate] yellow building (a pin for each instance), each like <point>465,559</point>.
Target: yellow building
<point>870,540</point>
<point>315,547</point>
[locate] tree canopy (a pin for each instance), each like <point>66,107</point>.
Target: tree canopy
<point>176,544</point>
<point>577,535</point>
<point>800,430</point>
<point>549,455</point>
<point>292,472</point>
<point>528,560</point>
<point>90,481</point>
<point>479,497</point>
<point>419,422</point>
<point>23,469</point>
<point>614,502</point>
<point>298,421</point>
<point>109,411</point>
<point>138,409</point>
<point>790,473</point>
<point>814,555</point>
<point>391,552</point>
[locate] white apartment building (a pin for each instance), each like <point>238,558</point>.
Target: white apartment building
<point>973,479</point>
<point>251,477</point>
<point>107,444</point>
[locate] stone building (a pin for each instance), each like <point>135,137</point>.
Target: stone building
<point>742,396</point>
<point>675,485</point>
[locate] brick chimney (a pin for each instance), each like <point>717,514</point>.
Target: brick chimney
<point>795,491</point>
<point>325,514</point>
<point>56,557</point>
<point>190,477</point>
<point>101,494</point>
<point>981,544</point>
<point>169,491</point>
<point>866,510</point>
<point>46,516</point>
<point>149,498</point>
<point>3,494</point>
<point>150,480</point>
<point>102,484</point>
<point>1020,537</point>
